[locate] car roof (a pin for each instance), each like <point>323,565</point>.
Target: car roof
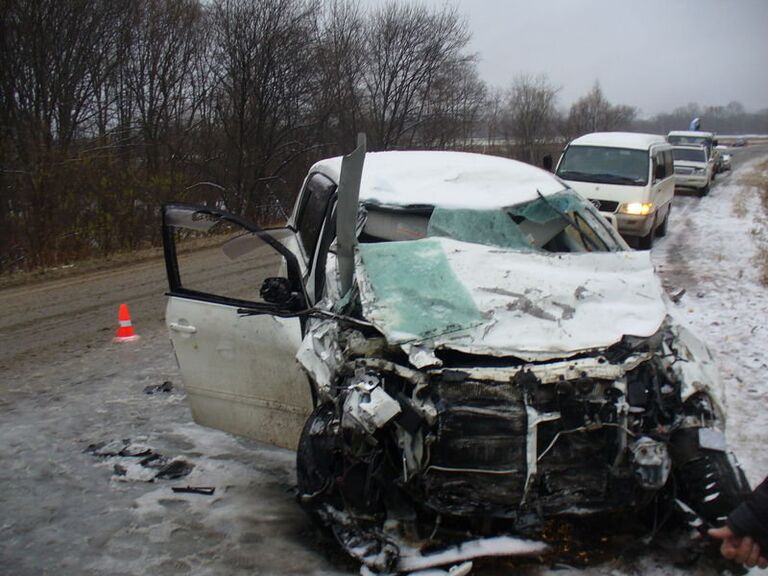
<point>691,133</point>
<point>446,179</point>
<point>631,140</point>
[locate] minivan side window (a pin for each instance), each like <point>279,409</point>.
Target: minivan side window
<point>310,218</point>
<point>669,162</point>
<point>663,158</point>
<point>657,161</point>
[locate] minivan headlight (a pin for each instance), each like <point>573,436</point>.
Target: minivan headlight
<point>699,171</point>
<point>637,208</point>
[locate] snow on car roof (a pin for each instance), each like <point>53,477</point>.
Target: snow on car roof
<point>691,133</point>
<point>446,179</point>
<point>632,140</point>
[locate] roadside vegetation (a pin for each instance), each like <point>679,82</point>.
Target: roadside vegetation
<point>757,180</point>
<point>110,107</point>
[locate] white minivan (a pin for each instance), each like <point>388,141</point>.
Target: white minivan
<point>693,168</point>
<point>628,176</point>
<point>699,138</point>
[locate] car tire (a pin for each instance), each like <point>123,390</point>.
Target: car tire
<point>317,460</point>
<point>646,242</point>
<point>661,231</point>
<point>704,191</point>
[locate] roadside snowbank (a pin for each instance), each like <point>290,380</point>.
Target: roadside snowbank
<point>710,252</point>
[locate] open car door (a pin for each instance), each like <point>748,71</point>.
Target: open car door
<point>234,332</point>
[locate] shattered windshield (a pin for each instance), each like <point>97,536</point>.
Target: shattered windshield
<point>605,164</point>
<point>562,222</point>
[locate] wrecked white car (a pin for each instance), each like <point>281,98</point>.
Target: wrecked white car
<point>449,341</point>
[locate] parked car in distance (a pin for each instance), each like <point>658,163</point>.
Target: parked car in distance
<point>628,176</point>
<point>698,138</point>
<point>725,157</point>
<point>458,346</point>
<point>693,168</point>
<point>740,142</point>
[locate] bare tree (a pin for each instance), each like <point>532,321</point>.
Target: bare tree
<point>157,68</point>
<point>47,80</point>
<point>406,47</point>
<point>340,63</point>
<point>531,114</point>
<point>263,65</point>
<point>454,106</point>
<point>594,113</point>
<point>108,107</point>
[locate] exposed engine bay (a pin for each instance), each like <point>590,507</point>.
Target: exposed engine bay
<point>394,456</point>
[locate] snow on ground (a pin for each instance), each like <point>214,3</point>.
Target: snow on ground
<point>64,511</point>
<point>710,252</point>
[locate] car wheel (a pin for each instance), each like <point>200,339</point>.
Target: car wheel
<point>704,191</point>
<point>318,459</point>
<point>661,231</point>
<point>646,242</point>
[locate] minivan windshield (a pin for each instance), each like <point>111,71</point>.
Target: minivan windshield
<point>605,165</point>
<point>562,222</point>
<point>689,154</point>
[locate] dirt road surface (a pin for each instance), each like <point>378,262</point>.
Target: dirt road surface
<point>65,386</point>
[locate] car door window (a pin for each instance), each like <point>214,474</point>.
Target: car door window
<point>657,161</point>
<point>212,255</point>
<point>318,192</point>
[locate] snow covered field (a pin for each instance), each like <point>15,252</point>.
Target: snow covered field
<point>65,510</point>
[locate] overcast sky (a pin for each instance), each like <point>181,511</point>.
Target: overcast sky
<point>652,54</point>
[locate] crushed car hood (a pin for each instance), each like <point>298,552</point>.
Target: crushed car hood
<point>441,293</point>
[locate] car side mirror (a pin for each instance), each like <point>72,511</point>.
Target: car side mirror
<point>714,143</point>
<point>547,162</point>
<point>276,290</point>
<point>661,172</point>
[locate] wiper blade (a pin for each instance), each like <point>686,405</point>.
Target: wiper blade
<point>618,178</point>
<point>599,177</point>
<point>573,174</point>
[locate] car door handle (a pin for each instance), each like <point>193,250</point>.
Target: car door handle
<point>185,328</point>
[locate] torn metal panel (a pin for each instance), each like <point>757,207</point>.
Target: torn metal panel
<point>320,354</point>
<point>697,367</point>
<point>367,405</point>
<point>552,372</point>
<point>346,216</point>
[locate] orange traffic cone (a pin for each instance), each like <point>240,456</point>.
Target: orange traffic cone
<point>125,328</point>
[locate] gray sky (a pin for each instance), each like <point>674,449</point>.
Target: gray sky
<point>652,54</point>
